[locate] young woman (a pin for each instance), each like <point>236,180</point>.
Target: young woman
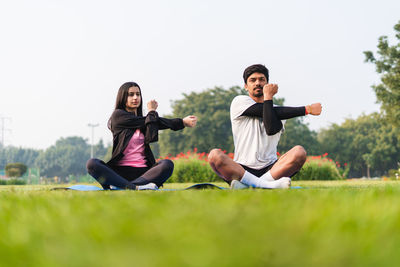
<point>132,165</point>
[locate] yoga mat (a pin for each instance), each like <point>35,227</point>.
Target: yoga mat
<point>81,187</point>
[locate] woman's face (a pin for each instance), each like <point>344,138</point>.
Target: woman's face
<point>133,100</point>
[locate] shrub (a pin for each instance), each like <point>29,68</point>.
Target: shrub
<point>192,167</point>
<point>321,168</point>
<point>15,169</point>
<point>13,181</point>
<point>16,181</point>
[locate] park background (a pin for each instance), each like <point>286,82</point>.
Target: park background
<point>63,62</point>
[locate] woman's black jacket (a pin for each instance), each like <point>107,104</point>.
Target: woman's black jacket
<point>123,124</point>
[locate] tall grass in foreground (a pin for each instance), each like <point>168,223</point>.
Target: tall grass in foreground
<point>333,223</point>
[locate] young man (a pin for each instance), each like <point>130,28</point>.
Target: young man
<point>257,127</point>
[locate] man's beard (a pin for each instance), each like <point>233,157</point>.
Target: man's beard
<point>255,94</point>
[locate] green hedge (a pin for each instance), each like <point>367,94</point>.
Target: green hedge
<point>13,181</point>
<point>193,168</point>
<point>319,169</point>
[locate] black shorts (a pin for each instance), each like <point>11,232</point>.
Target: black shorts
<point>259,172</point>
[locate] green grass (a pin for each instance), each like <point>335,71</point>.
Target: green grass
<point>330,223</point>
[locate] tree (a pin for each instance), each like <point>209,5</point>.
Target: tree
<point>388,65</point>
<point>16,169</point>
<point>213,129</point>
<point>367,143</point>
<point>100,150</point>
<point>67,157</point>
<point>297,133</point>
<point>11,154</point>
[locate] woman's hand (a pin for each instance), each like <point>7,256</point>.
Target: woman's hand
<point>190,121</point>
<point>152,105</point>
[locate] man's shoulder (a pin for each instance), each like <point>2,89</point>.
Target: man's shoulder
<point>239,104</point>
<point>241,98</point>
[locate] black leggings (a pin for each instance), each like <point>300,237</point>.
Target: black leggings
<point>127,177</point>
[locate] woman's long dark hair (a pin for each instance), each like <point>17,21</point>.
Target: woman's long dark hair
<point>122,96</point>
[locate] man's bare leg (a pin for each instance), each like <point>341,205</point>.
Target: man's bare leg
<point>229,170</point>
<point>224,166</point>
<point>289,163</point>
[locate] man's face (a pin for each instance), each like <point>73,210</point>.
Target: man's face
<point>255,84</point>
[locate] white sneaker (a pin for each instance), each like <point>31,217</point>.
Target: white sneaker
<point>149,186</point>
<point>235,184</point>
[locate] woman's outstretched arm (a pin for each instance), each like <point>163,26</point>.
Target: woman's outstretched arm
<point>177,123</point>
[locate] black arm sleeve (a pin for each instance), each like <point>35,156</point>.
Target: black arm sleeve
<point>283,113</point>
<point>271,122</point>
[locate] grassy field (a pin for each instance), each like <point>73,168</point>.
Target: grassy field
<point>341,223</point>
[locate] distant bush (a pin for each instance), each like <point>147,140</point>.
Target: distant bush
<point>321,168</point>
<point>192,167</point>
<point>16,169</point>
<point>13,181</point>
<point>16,181</point>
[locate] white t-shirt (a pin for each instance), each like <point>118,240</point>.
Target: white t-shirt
<point>253,147</point>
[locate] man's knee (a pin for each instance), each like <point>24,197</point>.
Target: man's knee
<point>216,157</point>
<point>300,155</point>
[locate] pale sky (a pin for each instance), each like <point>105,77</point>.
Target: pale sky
<point>62,62</point>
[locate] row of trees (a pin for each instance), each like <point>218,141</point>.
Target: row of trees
<point>67,157</point>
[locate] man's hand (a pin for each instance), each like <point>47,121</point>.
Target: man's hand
<point>152,105</point>
<point>270,90</point>
<point>190,121</point>
<point>314,109</point>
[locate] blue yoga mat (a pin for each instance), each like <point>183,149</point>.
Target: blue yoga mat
<point>82,187</point>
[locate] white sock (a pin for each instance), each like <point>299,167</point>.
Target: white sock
<point>254,181</point>
<point>250,179</point>
<point>267,176</point>
<point>149,186</point>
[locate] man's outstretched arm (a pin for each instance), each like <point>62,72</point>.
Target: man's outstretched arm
<point>272,116</point>
<point>284,112</point>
